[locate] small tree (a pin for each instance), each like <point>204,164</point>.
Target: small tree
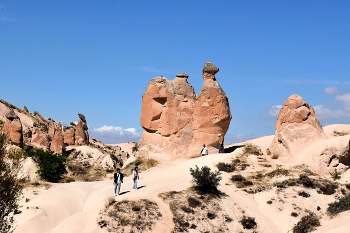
<point>10,189</point>
<point>51,165</point>
<point>204,179</point>
<point>135,148</point>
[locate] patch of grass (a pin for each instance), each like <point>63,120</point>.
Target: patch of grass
<point>307,223</point>
<point>337,133</point>
<point>226,167</point>
<point>248,222</point>
<point>194,202</point>
<point>343,204</point>
<point>250,148</point>
<point>109,201</point>
<point>278,172</point>
<point>129,216</point>
<point>240,181</point>
<point>143,164</point>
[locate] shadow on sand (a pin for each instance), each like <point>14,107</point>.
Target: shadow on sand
<point>141,187</point>
<point>122,193</point>
<point>232,148</point>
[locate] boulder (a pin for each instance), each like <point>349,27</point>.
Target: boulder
<point>297,129</point>
<point>176,122</point>
<point>57,139</point>
<point>40,139</point>
<point>81,131</point>
<point>13,128</point>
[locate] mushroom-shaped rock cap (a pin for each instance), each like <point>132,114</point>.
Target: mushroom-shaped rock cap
<point>11,115</point>
<point>182,75</point>
<point>210,68</point>
<point>82,117</point>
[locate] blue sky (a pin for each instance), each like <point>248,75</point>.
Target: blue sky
<point>97,57</point>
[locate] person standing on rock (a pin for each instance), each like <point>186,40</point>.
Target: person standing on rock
<point>204,150</point>
<point>118,180</point>
<point>221,143</point>
<point>135,177</point>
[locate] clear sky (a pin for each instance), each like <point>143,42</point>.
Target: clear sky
<point>61,57</point>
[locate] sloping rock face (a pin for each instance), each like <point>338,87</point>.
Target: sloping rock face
<point>176,122</point>
<point>81,131</point>
<point>13,128</point>
<point>325,156</point>
<point>40,139</point>
<point>297,128</point>
<point>57,139</point>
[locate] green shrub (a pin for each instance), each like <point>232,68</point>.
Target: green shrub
<point>10,189</point>
<point>343,204</point>
<point>307,223</point>
<point>335,175</point>
<point>248,222</point>
<point>204,179</point>
<point>51,165</point>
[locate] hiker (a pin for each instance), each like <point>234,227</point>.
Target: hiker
<point>204,150</point>
<point>135,177</point>
<point>221,143</point>
<point>118,180</point>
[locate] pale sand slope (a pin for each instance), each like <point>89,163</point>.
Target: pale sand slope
<point>74,207</point>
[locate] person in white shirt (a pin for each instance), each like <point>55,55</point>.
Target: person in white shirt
<point>204,150</point>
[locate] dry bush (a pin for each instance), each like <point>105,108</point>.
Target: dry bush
<point>109,201</point>
<point>248,222</point>
<point>307,223</point>
<point>250,148</point>
<point>226,167</point>
<point>240,181</point>
<point>343,204</point>
<point>337,133</point>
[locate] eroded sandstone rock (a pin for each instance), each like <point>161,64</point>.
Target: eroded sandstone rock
<point>297,129</point>
<point>81,131</point>
<point>176,122</point>
<point>40,139</point>
<point>57,139</point>
<point>13,128</point>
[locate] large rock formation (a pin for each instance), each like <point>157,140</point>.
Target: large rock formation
<point>176,122</point>
<point>57,139</point>
<point>297,128</point>
<point>13,128</point>
<point>81,131</point>
<point>40,139</point>
<point>69,135</point>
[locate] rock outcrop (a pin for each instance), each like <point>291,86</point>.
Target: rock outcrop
<point>57,139</point>
<point>325,156</point>
<point>40,139</point>
<point>297,129</point>
<point>13,128</point>
<point>176,122</point>
<point>81,131</point>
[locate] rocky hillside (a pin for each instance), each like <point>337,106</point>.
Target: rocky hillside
<point>31,131</point>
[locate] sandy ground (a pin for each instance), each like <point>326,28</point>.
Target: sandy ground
<point>74,207</point>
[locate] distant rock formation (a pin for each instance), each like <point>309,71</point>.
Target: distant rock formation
<point>40,139</point>
<point>81,131</point>
<point>69,136</point>
<point>176,122</point>
<point>13,128</point>
<point>297,128</point>
<point>57,139</point>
